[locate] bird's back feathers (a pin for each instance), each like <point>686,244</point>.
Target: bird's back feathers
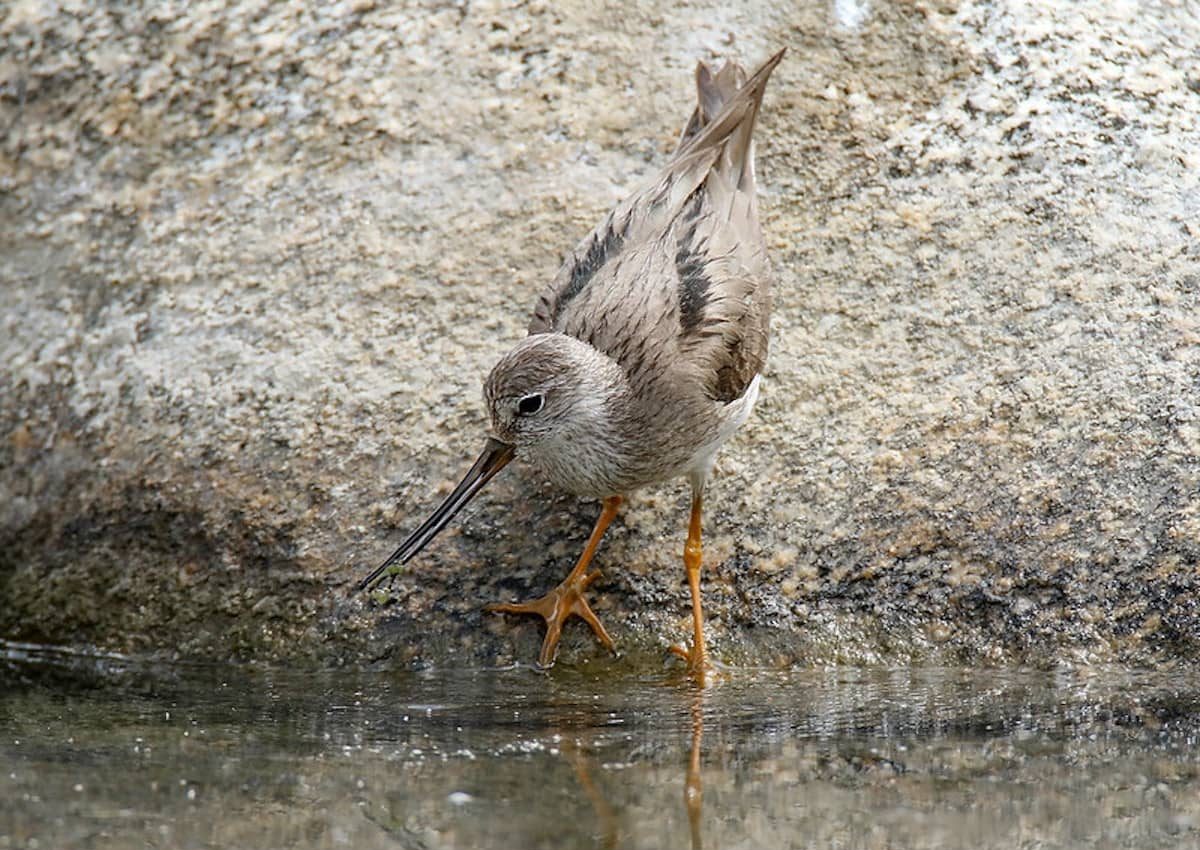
<point>674,284</point>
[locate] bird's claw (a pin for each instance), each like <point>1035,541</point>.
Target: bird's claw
<point>556,607</point>
<point>695,657</point>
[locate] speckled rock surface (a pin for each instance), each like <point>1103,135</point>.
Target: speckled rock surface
<point>256,259</point>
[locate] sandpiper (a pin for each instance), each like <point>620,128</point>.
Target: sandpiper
<point>644,352</point>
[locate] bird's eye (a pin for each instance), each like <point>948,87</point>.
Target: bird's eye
<point>530,404</point>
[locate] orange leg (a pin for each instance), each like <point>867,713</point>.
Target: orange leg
<point>567,600</point>
<point>696,657</point>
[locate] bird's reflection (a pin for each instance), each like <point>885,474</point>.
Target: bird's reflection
<point>610,826</point>
<point>578,750</point>
<point>693,789</point>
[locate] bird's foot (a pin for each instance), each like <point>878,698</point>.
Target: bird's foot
<point>699,669</point>
<point>556,607</point>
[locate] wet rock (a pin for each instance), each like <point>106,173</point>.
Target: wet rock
<point>256,260</point>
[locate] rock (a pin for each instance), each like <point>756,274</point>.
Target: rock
<point>256,261</point>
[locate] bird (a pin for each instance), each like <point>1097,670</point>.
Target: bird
<point>644,353</point>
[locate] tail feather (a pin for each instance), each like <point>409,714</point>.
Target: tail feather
<point>726,111</point>
<point>713,91</point>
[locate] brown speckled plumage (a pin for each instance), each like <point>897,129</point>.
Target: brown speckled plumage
<point>675,287</point>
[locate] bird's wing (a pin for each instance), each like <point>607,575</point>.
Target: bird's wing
<point>675,279</point>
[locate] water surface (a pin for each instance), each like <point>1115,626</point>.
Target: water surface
<point>110,752</point>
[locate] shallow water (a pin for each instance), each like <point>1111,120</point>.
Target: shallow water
<point>109,752</point>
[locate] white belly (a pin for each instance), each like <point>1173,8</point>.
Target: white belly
<point>736,413</point>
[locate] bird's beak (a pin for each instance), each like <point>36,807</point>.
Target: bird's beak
<point>494,458</point>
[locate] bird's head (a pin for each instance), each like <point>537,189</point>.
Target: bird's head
<point>551,391</point>
<point>552,401</point>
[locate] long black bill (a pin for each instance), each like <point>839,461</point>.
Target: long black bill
<point>494,458</point>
